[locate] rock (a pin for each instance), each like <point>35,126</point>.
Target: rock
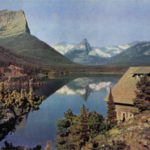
<point>12,23</point>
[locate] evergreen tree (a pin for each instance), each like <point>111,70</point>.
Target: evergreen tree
<point>96,123</point>
<point>75,140</point>
<point>111,112</point>
<point>63,131</point>
<point>84,124</point>
<point>142,100</point>
<point>79,131</point>
<point>31,92</point>
<point>1,91</point>
<point>68,114</point>
<point>75,131</point>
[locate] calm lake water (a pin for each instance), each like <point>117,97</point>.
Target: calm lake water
<point>40,126</point>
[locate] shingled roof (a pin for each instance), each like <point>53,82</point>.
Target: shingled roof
<point>124,91</point>
<point>142,70</point>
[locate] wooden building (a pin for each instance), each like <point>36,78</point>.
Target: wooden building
<point>124,92</point>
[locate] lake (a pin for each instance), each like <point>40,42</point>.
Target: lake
<point>37,127</point>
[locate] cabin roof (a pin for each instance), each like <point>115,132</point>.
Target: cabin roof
<point>124,91</point>
<point>142,70</point>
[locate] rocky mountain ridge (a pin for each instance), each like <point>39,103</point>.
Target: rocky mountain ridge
<point>12,23</point>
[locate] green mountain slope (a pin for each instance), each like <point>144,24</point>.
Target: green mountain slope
<point>7,57</point>
<point>31,47</point>
<point>15,36</point>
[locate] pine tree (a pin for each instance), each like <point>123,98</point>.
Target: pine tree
<point>31,92</point>
<point>73,131</point>
<point>63,131</point>
<point>79,131</point>
<point>1,87</point>
<point>1,91</point>
<point>96,123</point>
<point>111,112</point>
<point>142,100</point>
<point>84,124</point>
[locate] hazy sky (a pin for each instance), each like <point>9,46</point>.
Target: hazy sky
<point>102,22</point>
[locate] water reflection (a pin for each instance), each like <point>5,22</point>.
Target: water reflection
<point>85,86</point>
<point>15,106</point>
<point>51,86</point>
<point>31,127</point>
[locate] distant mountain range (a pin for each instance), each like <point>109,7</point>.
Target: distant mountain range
<point>15,36</point>
<point>19,46</point>
<point>138,54</point>
<point>128,54</point>
<point>83,53</point>
<point>105,52</point>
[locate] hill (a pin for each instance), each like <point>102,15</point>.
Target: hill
<point>15,35</point>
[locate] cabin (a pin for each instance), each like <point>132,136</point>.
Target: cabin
<point>124,92</point>
<point>125,112</point>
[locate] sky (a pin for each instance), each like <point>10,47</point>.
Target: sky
<point>102,22</point>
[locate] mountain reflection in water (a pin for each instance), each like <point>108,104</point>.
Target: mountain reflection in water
<point>84,87</point>
<point>37,127</point>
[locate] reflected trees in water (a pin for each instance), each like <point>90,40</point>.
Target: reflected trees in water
<point>14,106</point>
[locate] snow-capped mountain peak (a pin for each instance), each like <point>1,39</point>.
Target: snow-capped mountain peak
<point>84,53</point>
<point>83,46</point>
<point>63,48</point>
<point>86,45</point>
<point>99,52</point>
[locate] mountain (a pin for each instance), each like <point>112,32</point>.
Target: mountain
<point>12,23</point>
<point>15,36</point>
<point>106,52</point>
<point>63,47</point>
<point>81,53</point>
<point>111,50</point>
<point>138,54</point>
<point>134,53</point>
<point>84,53</point>
<point>24,48</point>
